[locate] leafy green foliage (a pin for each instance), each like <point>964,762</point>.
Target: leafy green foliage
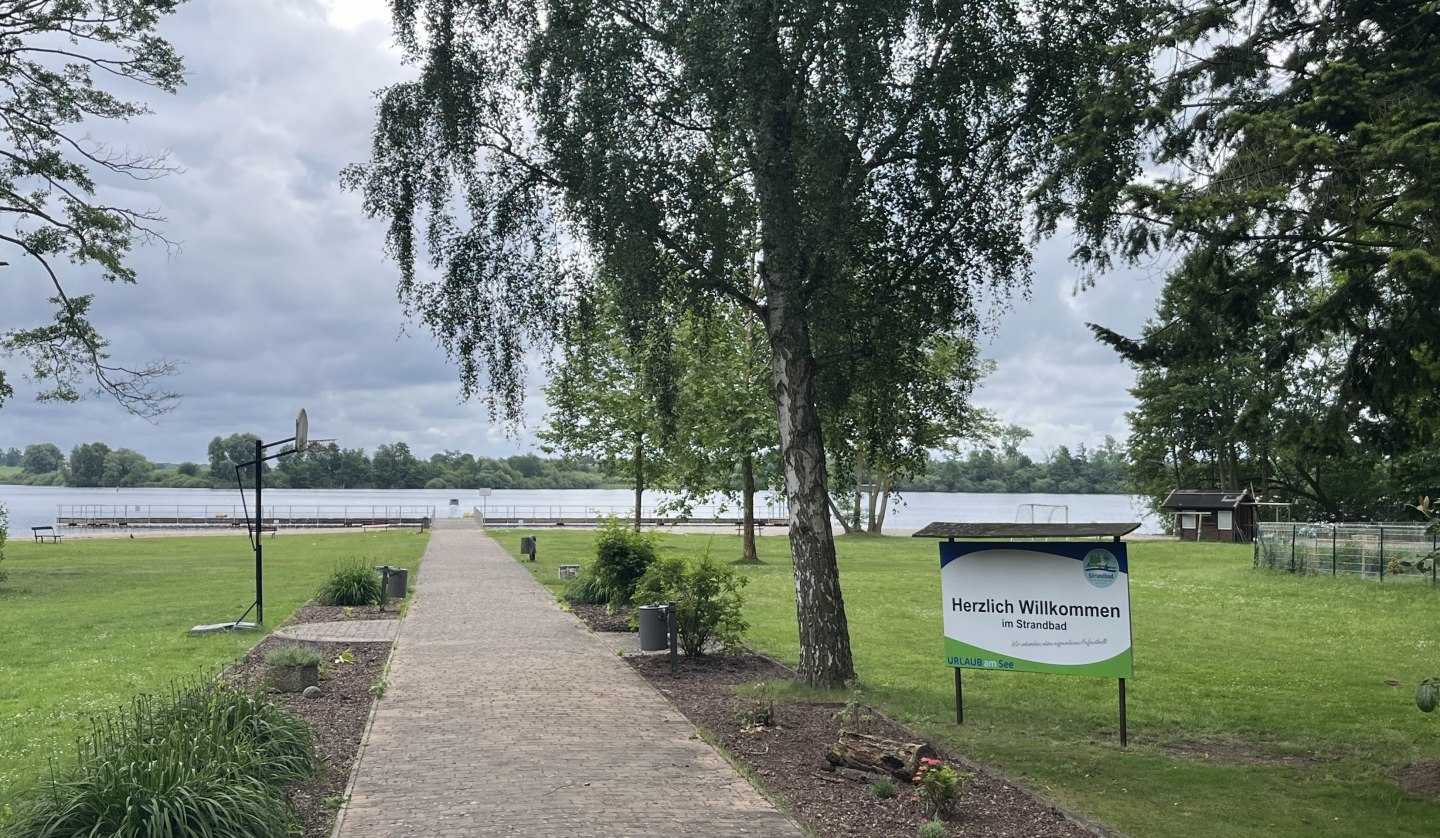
<point>931,829</point>
<point>53,171</point>
<point>622,556</point>
<point>294,654</point>
<point>352,582</point>
<point>205,759</point>
<point>1287,150</point>
<point>707,599</point>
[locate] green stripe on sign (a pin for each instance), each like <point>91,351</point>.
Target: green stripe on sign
<point>964,656</point>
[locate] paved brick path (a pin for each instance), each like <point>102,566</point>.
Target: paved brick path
<point>344,631</point>
<point>504,716</point>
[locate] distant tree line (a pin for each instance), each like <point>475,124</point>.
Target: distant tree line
<point>1005,469</point>
<point>998,468</point>
<point>95,464</point>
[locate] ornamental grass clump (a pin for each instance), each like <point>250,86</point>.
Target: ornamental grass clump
<point>294,654</point>
<point>587,589</point>
<point>204,760</point>
<point>352,582</point>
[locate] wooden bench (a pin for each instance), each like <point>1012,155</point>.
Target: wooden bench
<point>42,533</point>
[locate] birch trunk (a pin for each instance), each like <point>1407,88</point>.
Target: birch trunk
<point>825,656</point>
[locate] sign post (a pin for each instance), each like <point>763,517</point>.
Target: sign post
<point>1054,607</point>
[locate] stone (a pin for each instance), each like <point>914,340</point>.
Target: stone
<point>311,692</point>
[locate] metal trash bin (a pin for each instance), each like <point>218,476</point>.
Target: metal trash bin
<point>397,583</point>
<point>653,634</point>
<point>527,546</point>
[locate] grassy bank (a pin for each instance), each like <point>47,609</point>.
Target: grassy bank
<point>1259,705</point>
<point>87,624</point>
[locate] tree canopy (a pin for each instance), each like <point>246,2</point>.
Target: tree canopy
<point>1292,147</point>
<point>62,59</point>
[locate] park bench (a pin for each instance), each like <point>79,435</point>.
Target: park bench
<point>42,533</point>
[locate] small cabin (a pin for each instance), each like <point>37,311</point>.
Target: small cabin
<point>1213,516</point>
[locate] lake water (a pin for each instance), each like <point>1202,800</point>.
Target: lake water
<point>37,505</point>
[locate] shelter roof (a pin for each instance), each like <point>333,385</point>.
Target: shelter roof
<point>1193,499</point>
<point>944,529</point>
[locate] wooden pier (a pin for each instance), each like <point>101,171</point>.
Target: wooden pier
<point>280,516</point>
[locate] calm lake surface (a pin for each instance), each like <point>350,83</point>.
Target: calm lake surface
<point>38,505</point>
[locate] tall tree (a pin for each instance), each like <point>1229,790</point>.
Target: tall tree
<point>609,400</point>
<point>87,464</point>
<point>228,453</point>
<point>665,136</point>
<point>62,61</point>
<point>41,458</point>
<point>724,441</point>
<point>888,413</point>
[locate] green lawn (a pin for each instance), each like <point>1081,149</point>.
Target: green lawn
<point>86,625</point>
<point>1279,679</point>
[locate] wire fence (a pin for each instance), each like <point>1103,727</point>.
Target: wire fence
<point>1387,552</point>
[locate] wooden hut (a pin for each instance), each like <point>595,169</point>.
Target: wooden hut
<point>1213,516</point>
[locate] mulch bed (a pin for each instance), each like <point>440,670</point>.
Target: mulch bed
<point>789,756</point>
<point>789,759</point>
<point>598,618</point>
<point>337,717</point>
<point>313,613</point>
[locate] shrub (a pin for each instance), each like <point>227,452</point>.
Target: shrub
<point>294,654</point>
<point>938,787</point>
<point>707,601</point>
<point>353,582</point>
<point>204,760</point>
<point>932,829</point>
<point>622,556</point>
<point>587,589</point>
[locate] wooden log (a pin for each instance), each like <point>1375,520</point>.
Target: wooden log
<point>885,756</point>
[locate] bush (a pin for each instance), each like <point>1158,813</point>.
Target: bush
<point>294,654</point>
<point>587,589</point>
<point>353,582</point>
<point>622,556</point>
<point>204,760</point>
<point>707,601</point>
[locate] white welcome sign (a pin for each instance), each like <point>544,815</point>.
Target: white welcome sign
<point>1037,607</point>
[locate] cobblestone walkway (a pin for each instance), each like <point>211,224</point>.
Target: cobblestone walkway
<point>504,716</point>
<point>344,631</point>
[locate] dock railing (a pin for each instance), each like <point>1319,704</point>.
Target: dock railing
<point>575,515</point>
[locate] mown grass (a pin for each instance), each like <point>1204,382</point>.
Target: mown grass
<point>1279,679</point>
<point>85,625</point>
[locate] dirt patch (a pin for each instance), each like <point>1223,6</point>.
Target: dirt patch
<point>1422,779</point>
<point>1236,752</point>
<point>788,757</point>
<point>337,717</point>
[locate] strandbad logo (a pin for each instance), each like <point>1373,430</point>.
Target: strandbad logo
<point>1101,568</point>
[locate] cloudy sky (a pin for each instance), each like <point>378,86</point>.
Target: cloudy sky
<point>278,296</point>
